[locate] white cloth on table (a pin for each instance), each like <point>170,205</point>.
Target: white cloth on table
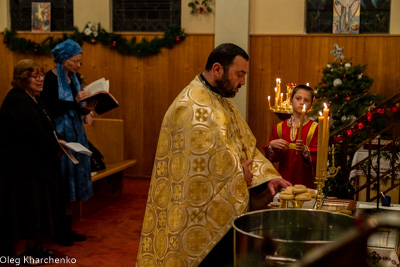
<point>362,154</point>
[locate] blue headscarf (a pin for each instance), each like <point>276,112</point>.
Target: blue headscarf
<point>62,52</point>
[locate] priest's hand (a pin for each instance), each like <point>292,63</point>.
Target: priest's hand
<point>248,175</point>
<point>276,184</point>
<point>279,144</point>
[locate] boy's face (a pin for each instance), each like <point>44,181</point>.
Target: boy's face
<point>299,99</point>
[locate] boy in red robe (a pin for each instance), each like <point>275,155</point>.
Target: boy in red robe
<point>296,157</point>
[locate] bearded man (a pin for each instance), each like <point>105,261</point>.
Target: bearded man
<point>206,162</point>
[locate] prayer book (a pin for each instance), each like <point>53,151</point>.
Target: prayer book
<point>77,148</point>
<point>99,90</point>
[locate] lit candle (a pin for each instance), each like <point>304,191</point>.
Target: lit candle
<point>325,138</point>
<point>276,96</point>
<point>319,145</point>
<point>269,102</point>
<point>303,113</point>
<point>281,99</point>
<point>278,90</point>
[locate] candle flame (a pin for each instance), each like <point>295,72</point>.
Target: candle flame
<point>307,84</point>
<point>304,107</point>
<point>320,113</point>
<point>281,94</point>
<point>276,89</point>
<point>269,98</point>
<point>325,106</point>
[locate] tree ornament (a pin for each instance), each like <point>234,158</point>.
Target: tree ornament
<point>349,132</point>
<point>114,44</point>
<point>347,65</point>
<point>5,40</point>
<point>336,96</point>
<point>337,52</point>
<point>178,39</point>
<point>380,110</point>
<point>394,109</point>
<point>347,98</point>
<point>328,66</point>
<point>359,76</point>
<point>337,82</point>
<point>360,125</point>
<point>369,116</point>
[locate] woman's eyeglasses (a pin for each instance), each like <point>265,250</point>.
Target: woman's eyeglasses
<point>37,76</point>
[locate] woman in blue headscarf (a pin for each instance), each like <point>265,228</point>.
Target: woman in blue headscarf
<point>62,93</point>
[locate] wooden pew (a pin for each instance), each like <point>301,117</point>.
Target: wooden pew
<point>107,135</point>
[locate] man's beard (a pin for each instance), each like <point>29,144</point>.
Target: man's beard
<point>225,87</point>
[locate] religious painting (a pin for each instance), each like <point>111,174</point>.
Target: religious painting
<point>373,16</point>
<point>41,16</point>
<point>346,16</point>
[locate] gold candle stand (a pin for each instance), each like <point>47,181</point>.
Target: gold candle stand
<point>320,181</point>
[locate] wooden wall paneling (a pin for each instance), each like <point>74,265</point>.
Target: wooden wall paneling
<point>301,59</point>
<point>145,87</point>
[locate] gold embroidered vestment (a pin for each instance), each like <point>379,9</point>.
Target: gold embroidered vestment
<point>197,186</point>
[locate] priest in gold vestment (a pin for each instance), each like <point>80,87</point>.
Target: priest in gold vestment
<point>205,163</point>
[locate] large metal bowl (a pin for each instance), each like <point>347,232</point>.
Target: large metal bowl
<point>285,235</point>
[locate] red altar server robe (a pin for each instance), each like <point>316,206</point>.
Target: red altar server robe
<point>293,167</point>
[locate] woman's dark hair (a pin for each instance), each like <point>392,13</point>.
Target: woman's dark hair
<point>224,54</point>
<point>304,87</point>
<point>22,71</point>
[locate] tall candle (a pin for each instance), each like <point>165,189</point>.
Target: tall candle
<point>278,89</point>
<point>281,99</point>
<point>303,113</point>
<point>276,96</point>
<point>319,147</point>
<point>325,138</point>
<point>269,102</point>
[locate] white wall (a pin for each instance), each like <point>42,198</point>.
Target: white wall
<point>266,16</point>
<point>98,11</point>
<point>232,26</point>
<point>4,15</point>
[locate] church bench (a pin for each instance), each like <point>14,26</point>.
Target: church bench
<point>107,135</point>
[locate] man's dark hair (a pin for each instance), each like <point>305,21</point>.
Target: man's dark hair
<point>224,55</point>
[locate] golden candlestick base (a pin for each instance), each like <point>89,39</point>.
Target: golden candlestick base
<point>297,204</point>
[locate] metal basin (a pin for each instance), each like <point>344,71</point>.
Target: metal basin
<point>285,235</point>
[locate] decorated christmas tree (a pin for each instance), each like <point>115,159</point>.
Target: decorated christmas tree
<point>345,90</point>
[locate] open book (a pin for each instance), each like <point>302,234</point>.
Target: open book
<point>99,90</point>
<point>75,147</point>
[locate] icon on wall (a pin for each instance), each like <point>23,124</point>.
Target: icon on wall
<point>41,15</point>
<point>346,16</point>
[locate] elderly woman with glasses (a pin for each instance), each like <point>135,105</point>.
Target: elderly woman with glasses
<point>62,93</point>
<point>32,205</point>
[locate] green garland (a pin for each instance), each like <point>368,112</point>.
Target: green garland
<point>172,36</point>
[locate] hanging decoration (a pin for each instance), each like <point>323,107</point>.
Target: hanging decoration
<point>93,33</point>
<point>197,7</point>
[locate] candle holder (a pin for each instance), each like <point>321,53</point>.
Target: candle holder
<point>280,106</point>
<point>320,181</point>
